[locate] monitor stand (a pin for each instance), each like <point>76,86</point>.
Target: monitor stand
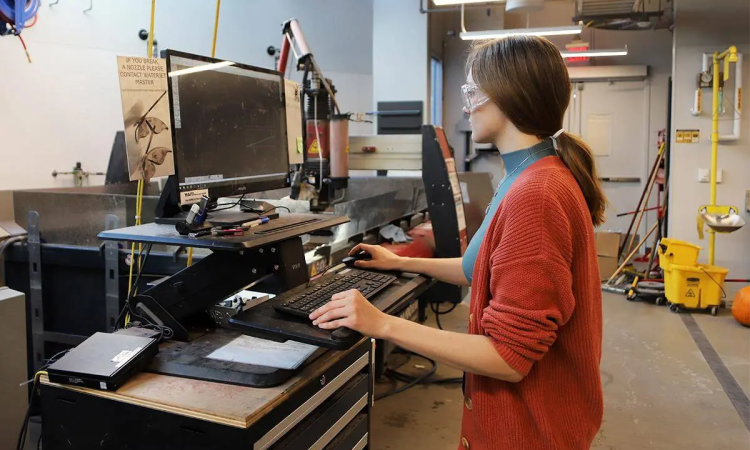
<point>169,212</point>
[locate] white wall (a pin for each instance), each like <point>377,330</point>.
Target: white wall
<point>652,48</point>
<point>702,28</point>
<point>400,52</point>
<point>65,107</point>
<point>456,51</point>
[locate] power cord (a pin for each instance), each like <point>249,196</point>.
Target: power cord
<point>165,332</point>
<point>132,292</point>
<point>6,244</point>
<point>277,207</point>
<point>23,434</point>
<point>436,309</point>
<point>412,381</point>
<point>406,378</point>
<point>411,384</point>
<point>227,206</point>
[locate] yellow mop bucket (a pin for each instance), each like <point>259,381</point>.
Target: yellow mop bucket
<point>674,252</point>
<point>695,287</point>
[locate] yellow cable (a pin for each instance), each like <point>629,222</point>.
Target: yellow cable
<point>141,182</point>
<point>216,28</point>
<point>213,54</point>
<point>151,30</point>
<point>138,220</point>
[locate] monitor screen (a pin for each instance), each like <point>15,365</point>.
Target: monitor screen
<point>229,126</point>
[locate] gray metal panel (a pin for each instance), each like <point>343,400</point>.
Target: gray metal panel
<point>369,202</point>
<point>35,290</point>
<point>14,368</point>
<point>111,276</point>
<point>75,216</point>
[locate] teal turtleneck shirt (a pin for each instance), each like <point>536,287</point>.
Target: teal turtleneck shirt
<point>515,163</point>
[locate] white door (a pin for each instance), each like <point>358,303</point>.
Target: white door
<point>613,118</point>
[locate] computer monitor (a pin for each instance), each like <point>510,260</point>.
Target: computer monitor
<point>117,170</point>
<point>228,127</point>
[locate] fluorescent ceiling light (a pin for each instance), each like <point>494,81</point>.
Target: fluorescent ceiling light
<point>595,53</point>
<point>547,31</point>
<point>458,2</point>
<point>202,68</point>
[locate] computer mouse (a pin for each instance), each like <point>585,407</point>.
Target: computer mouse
<point>343,334</point>
<point>361,256</point>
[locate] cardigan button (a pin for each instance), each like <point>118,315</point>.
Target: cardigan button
<point>465,443</point>
<point>467,403</point>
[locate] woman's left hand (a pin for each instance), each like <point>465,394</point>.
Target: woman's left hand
<point>351,310</point>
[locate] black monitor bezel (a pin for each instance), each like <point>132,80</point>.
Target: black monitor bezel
<point>230,188</point>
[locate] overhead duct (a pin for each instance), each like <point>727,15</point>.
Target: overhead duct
<point>625,14</point>
<point>524,6</point>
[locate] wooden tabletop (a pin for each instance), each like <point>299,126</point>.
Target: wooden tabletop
<point>226,404</point>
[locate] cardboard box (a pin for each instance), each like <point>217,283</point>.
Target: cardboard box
<point>608,243</point>
<point>607,248</point>
<point>607,266</point>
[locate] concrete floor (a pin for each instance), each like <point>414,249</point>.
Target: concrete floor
<point>659,391</point>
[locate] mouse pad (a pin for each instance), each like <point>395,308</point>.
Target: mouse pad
<point>190,360</point>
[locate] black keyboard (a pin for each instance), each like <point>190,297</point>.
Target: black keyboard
<point>303,303</point>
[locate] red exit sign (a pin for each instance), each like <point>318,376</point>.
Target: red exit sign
<point>577,58</point>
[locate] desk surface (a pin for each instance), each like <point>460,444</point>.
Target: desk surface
<point>285,227</point>
<point>226,404</point>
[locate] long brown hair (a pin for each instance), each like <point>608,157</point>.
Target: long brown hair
<point>526,77</point>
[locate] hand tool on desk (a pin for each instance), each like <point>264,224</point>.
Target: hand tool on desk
<point>256,222</point>
<point>229,227</point>
<point>233,232</point>
<point>200,233</point>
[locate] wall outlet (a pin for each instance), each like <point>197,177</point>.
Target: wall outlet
<point>704,175</point>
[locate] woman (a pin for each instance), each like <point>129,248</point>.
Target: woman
<point>534,344</point>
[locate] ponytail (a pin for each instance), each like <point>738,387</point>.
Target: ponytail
<point>576,154</point>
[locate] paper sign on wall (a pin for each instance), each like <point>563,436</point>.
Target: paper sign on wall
<point>145,111</point>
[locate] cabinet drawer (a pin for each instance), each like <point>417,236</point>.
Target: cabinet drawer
<point>354,437</point>
<point>328,420</point>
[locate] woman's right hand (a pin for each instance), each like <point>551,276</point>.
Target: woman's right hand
<point>382,259</point>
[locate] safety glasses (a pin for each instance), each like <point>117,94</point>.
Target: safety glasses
<point>473,97</point>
